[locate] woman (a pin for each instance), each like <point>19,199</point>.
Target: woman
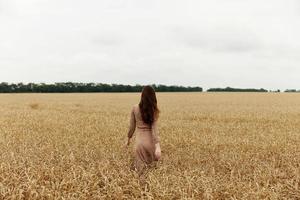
<point>143,120</point>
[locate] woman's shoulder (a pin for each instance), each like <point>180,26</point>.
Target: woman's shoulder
<point>135,107</point>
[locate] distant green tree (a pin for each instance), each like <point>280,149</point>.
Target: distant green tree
<point>229,89</point>
<point>291,90</point>
<point>69,87</point>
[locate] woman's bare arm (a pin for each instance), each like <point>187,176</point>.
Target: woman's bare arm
<point>132,123</point>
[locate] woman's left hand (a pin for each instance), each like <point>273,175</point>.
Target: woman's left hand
<point>157,152</point>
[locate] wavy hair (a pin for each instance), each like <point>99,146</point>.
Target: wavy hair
<point>148,105</point>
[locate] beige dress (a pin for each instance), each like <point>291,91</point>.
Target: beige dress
<point>146,138</point>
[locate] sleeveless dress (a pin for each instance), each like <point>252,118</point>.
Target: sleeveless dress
<point>145,140</point>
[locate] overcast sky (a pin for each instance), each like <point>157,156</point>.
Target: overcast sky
<point>215,43</point>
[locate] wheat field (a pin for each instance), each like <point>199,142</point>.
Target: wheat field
<point>214,146</point>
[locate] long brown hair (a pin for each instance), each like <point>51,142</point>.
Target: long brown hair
<point>148,105</point>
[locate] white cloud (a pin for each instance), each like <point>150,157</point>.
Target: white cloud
<point>248,43</point>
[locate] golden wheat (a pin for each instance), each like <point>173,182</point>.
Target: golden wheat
<point>34,105</point>
<point>214,146</point>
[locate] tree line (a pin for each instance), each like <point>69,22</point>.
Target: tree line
<point>291,90</point>
<point>71,87</point>
<point>229,89</point>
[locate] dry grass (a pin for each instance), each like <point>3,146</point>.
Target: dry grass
<point>34,106</point>
<point>215,146</point>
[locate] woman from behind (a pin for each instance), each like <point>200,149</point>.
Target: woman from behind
<point>143,121</point>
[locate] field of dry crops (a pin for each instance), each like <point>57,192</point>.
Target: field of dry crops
<point>214,146</point>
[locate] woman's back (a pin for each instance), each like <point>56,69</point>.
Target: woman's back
<point>144,132</point>
<point>140,124</point>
